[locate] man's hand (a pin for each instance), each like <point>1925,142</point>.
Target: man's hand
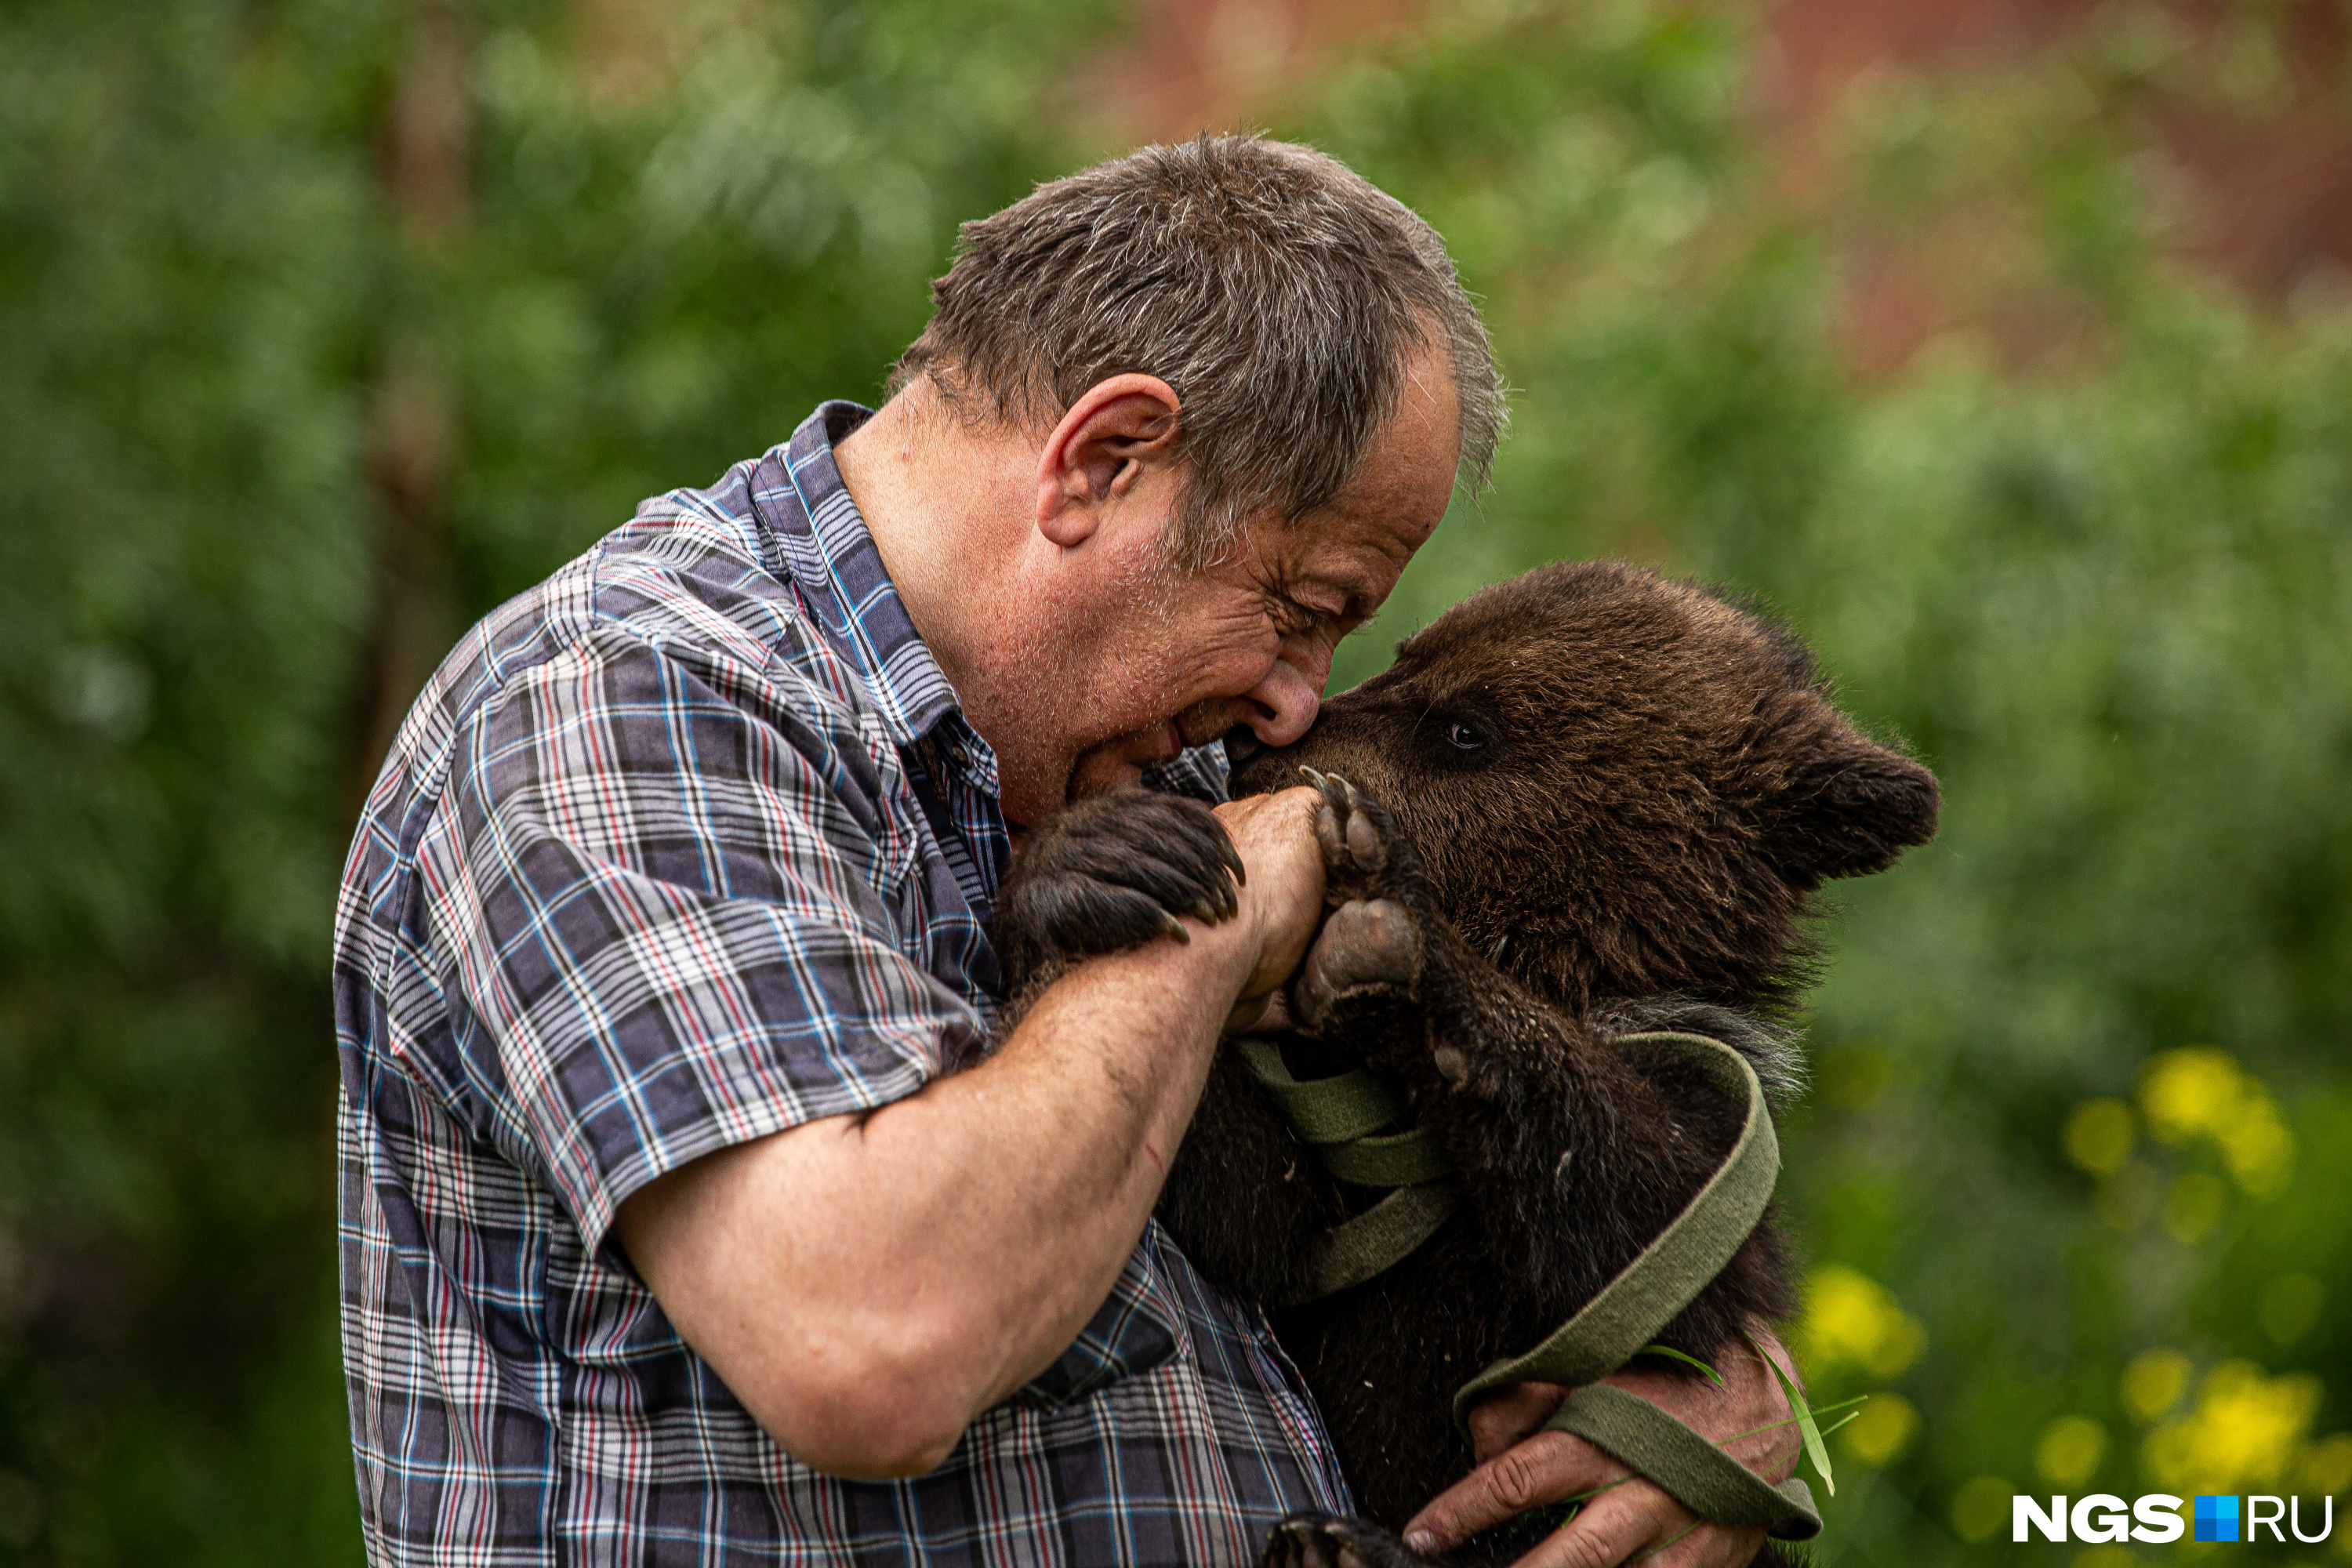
<point>1282,901</point>
<point>866,1284</point>
<point>1518,1471</point>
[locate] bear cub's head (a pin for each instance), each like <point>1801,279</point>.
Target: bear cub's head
<point>1621,786</point>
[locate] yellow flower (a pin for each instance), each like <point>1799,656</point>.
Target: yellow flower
<point>1980,1508</point>
<point>2070,1450</point>
<point>2154,1380</point>
<point>2257,1146</point>
<point>1879,1433</point>
<point>1851,1317</point>
<point>2246,1428</point>
<point>2203,1093</point>
<point>2099,1136</point>
<point>2189,1091</point>
<point>2328,1464</point>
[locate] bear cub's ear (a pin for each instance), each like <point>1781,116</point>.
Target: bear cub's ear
<point>1850,809</point>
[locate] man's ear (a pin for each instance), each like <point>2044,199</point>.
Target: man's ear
<point>1098,452</point>
<point>1851,808</point>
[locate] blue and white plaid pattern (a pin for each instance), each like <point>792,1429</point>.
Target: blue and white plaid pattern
<point>686,845</point>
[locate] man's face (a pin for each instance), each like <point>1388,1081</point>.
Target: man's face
<point>1188,657</point>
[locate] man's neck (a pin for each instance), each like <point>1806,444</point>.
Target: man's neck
<point>948,509</point>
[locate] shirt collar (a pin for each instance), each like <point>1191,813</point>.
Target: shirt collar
<point>798,495</point>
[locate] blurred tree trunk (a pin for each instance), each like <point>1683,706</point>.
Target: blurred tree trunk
<point>415,437</point>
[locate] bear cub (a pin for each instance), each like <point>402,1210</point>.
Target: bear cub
<point>1584,803</point>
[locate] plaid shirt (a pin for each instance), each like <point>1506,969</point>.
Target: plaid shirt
<point>689,845</point>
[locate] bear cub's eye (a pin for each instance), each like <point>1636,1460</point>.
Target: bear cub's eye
<point>1463,737</point>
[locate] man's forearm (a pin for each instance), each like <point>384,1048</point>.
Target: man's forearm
<point>867,1284</point>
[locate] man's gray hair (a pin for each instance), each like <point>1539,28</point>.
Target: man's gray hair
<point>1279,293</point>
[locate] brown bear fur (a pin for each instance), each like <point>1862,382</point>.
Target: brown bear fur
<point>1596,801</point>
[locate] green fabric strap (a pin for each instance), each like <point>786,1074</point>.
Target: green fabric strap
<point>1690,1469</point>
<point>1340,1116</point>
<point>1343,1116</point>
<point>1650,1291</point>
<point>1394,1161</point>
<point>1325,1109</point>
<point>1375,1240</point>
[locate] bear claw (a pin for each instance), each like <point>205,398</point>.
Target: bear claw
<point>1309,1540</point>
<point>1113,872</point>
<point>1355,832</point>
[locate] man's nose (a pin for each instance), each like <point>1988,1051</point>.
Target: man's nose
<point>1279,709</point>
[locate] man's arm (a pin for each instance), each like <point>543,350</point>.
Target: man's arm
<point>868,1284</point>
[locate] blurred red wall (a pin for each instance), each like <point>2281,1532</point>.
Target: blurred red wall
<point>2263,188</point>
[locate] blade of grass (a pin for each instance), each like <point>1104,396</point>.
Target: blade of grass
<point>1582,1497</point>
<point>1791,1421</point>
<point>1814,1449</point>
<point>1669,1540</point>
<point>1713,1377</point>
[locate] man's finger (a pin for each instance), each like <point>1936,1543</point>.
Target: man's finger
<point>1612,1527</point>
<point>1638,1524</point>
<point>1510,1414</point>
<point>1547,1467</point>
<point>1266,1014</point>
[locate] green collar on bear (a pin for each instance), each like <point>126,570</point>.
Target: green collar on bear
<point>1341,1117</point>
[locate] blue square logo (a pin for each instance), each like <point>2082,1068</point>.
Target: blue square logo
<point>2217,1519</point>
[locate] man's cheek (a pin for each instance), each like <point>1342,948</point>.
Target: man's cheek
<point>1221,668</point>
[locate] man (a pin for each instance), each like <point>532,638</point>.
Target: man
<point>686,1214</point>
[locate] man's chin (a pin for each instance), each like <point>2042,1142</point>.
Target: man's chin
<point>1119,763</point>
<point>1031,803</point>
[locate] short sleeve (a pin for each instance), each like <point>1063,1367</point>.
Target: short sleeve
<point>669,896</point>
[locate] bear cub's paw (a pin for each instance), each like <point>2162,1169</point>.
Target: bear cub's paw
<point>1111,873</point>
<point>1369,948</point>
<point>1311,1540</point>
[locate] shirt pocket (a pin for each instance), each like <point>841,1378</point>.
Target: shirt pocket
<point>1135,1330</point>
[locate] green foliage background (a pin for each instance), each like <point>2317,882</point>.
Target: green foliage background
<point>2106,599</point>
